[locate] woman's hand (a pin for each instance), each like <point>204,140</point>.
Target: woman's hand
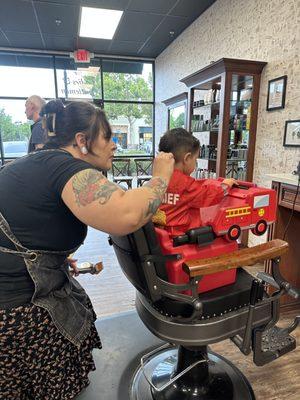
<point>230,182</point>
<point>73,264</point>
<point>163,165</point>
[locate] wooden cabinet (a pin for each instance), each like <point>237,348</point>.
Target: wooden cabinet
<point>222,114</point>
<point>290,262</point>
<point>286,197</point>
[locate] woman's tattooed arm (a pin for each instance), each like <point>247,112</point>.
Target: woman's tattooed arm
<point>90,185</point>
<point>126,211</point>
<point>158,187</point>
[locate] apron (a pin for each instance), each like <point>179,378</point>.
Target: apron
<point>55,290</point>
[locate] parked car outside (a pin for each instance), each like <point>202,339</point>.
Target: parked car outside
<point>15,149</point>
<point>119,148</point>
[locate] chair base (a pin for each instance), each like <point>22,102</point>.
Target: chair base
<point>222,380</point>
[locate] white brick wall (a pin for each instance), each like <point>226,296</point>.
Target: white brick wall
<point>249,29</point>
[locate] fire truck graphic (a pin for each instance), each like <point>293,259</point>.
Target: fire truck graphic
<point>246,207</point>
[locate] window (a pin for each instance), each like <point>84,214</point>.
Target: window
<point>177,117</point>
<point>78,82</point>
<point>24,75</point>
<point>177,110</point>
<point>132,127</point>
<point>127,81</point>
<point>123,88</point>
<point>13,122</point>
<point>128,103</point>
<point>15,149</point>
<point>261,201</point>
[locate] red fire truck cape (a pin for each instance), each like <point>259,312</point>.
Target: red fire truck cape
<point>185,196</point>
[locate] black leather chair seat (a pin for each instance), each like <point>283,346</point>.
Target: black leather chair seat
<point>215,302</point>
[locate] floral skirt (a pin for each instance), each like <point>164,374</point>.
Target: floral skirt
<point>36,361</point>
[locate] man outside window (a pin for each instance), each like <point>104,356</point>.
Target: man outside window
<point>33,106</point>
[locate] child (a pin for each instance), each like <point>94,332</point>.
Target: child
<point>180,208</point>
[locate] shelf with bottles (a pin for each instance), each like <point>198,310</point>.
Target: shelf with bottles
<point>236,153</point>
<point>201,125</point>
<point>230,160</point>
<point>198,104</point>
<point>243,103</point>
<point>205,174</point>
<point>208,159</point>
<point>239,139</point>
<point>236,172</point>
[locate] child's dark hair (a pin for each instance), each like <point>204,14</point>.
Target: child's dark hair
<point>62,123</point>
<point>179,142</point>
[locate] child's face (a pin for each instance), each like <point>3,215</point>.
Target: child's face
<point>191,163</point>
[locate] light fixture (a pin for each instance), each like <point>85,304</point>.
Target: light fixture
<point>99,23</point>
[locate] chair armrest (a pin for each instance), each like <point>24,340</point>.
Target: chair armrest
<point>236,259</point>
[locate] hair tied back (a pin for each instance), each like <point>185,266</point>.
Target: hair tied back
<point>51,126</point>
<point>52,110</point>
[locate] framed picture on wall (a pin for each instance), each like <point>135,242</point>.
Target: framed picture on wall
<point>276,93</point>
<point>292,133</point>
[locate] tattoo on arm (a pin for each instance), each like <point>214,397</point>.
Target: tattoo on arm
<point>90,185</point>
<point>158,187</point>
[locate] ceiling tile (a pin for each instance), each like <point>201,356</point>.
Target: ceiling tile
<point>94,45</point>
<point>161,38</point>
<point>3,40</point>
<point>155,6</point>
<point>191,8</point>
<point>143,22</point>
<point>152,49</point>
<point>17,15</point>
<point>135,25</point>
<point>68,15</point>
<point>54,42</point>
<point>72,2</point>
<point>21,39</point>
<point>122,47</point>
<point>110,4</point>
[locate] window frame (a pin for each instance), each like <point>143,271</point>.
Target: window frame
<point>99,102</point>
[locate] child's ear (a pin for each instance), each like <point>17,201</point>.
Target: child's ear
<point>187,157</point>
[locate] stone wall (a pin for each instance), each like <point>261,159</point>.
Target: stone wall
<point>249,29</point>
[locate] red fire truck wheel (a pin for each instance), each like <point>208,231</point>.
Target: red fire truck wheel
<point>260,228</point>
<point>234,232</point>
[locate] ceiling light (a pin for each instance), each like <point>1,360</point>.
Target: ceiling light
<point>99,23</point>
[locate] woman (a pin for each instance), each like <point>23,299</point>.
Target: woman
<point>47,200</point>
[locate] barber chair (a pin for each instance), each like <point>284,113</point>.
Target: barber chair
<point>245,311</point>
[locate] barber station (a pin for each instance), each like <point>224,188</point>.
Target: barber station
<point>191,292</point>
<point>149,200</point>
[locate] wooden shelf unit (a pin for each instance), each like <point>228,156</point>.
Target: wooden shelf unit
<point>233,78</point>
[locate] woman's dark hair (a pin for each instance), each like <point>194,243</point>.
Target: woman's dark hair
<point>62,123</point>
<point>179,142</point>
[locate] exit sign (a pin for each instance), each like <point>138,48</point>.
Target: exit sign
<point>81,56</point>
